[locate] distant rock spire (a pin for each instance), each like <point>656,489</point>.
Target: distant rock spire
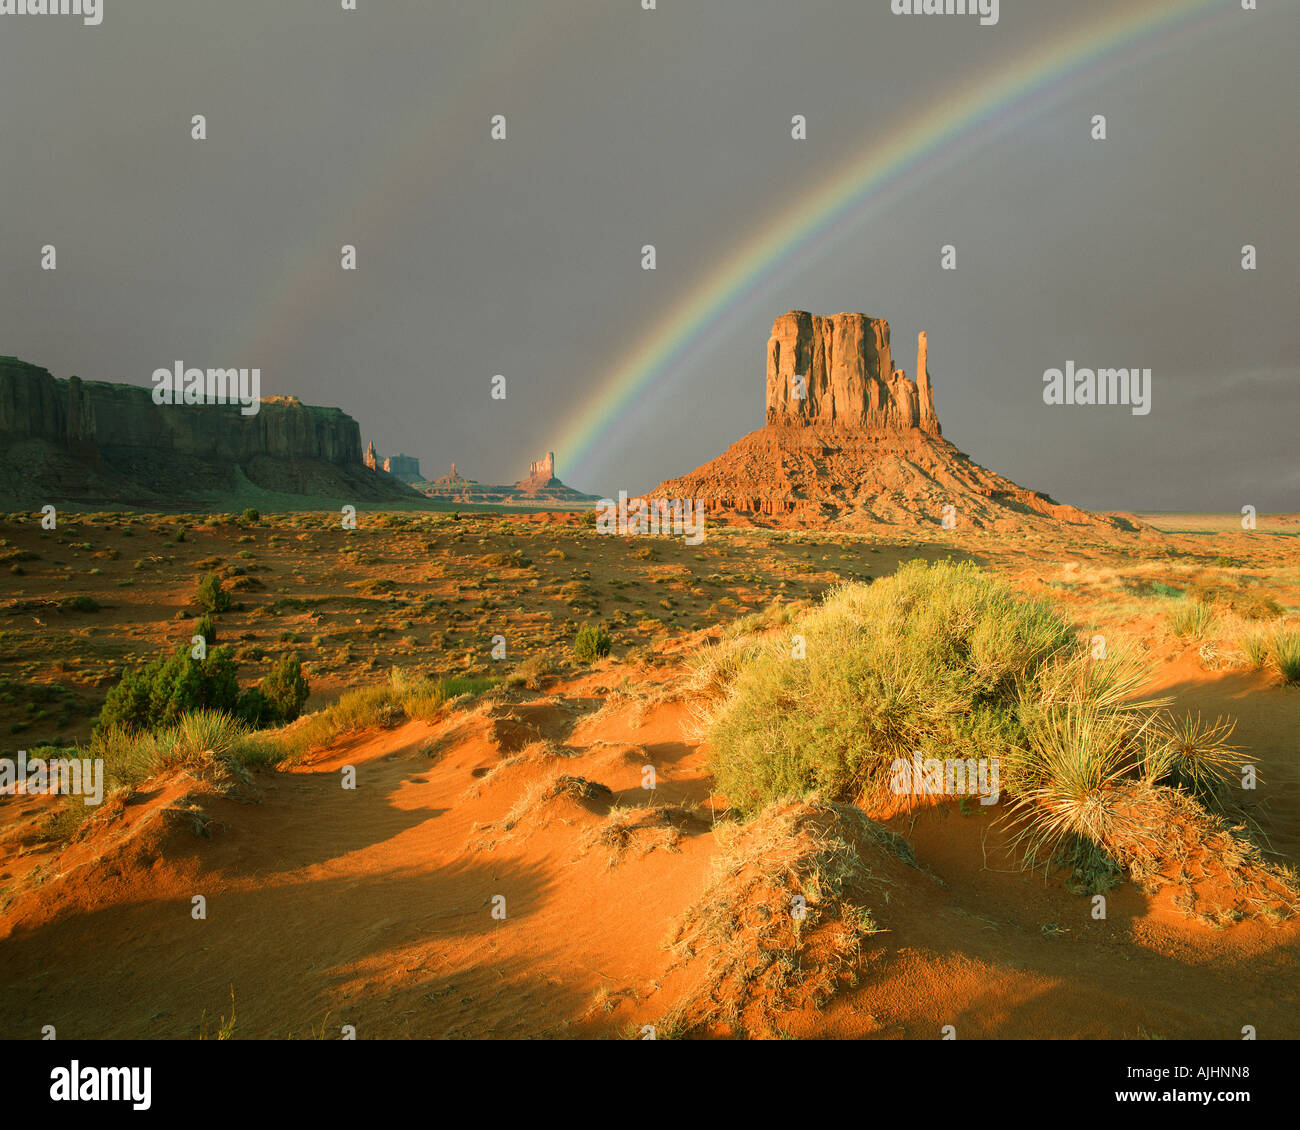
<point>929,421</point>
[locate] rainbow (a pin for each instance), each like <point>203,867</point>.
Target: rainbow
<point>934,140</point>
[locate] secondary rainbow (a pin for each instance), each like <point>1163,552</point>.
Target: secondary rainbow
<point>872,179</point>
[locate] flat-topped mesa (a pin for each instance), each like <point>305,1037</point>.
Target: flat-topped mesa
<point>404,467</point>
<point>105,445</point>
<point>838,371</point>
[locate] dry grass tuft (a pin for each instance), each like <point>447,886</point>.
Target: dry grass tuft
<point>1164,837</point>
<point>537,806</point>
<point>640,830</point>
<point>781,926</point>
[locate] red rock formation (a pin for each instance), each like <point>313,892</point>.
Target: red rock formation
<point>404,467</point>
<point>99,443</point>
<point>541,474</point>
<point>838,371</point>
<point>541,487</point>
<point>929,421</point>
<point>452,478</point>
<point>856,442</point>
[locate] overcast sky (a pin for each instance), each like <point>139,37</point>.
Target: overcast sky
<point>672,127</point>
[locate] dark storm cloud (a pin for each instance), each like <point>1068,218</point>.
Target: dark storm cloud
<point>668,127</point>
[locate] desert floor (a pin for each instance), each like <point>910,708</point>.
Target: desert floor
<point>374,906</point>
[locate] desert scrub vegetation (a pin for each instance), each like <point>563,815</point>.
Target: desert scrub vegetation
<point>531,673</point>
<point>1233,594</point>
<point>211,744</point>
<point>1278,648</point>
<point>947,661</point>
<point>132,756</point>
<point>79,603</point>
<point>403,697</point>
<point>1284,652</point>
<point>931,659</point>
<point>210,596</point>
<point>781,926</point>
<point>280,696</point>
<point>169,686</point>
<point>1190,619</point>
<point>593,642</point>
<point>773,616</point>
<point>163,691</point>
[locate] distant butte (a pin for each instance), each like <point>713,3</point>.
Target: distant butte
<point>539,488</point>
<point>851,440</point>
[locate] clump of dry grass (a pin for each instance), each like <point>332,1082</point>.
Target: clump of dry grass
<point>1162,836</point>
<point>578,788</point>
<point>533,809</point>
<point>1112,779</point>
<point>711,671</point>
<point>541,752</point>
<point>773,616</point>
<point>1159,833</point>
<point>1284,652</point>
<point>490,777</point>
<point>1233,594</point>
<point>404,696</point>
<point>1190,619</point>
<point>531,673</point>
<point>1253,644</point>
<point>782,924</point>
<point>639,829</point>
<point>616,701</point>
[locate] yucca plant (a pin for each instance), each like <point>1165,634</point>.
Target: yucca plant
<point>1190,619</point>
<point>1254,647</point>
<point>1074,751</point>
<point>1285,649</point>
<point>202,731</point>
<point>1191,754</point>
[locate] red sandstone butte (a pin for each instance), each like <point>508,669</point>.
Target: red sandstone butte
<point>851,440</point>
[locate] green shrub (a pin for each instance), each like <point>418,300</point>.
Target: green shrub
<point>78,604</point>
<point>157,695</point>
<point>285,689</point>
<point>211,597</point>
<point>205,626</point>
<point>250,515</point>
<point>933,659</point>
<point>593,642</point>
